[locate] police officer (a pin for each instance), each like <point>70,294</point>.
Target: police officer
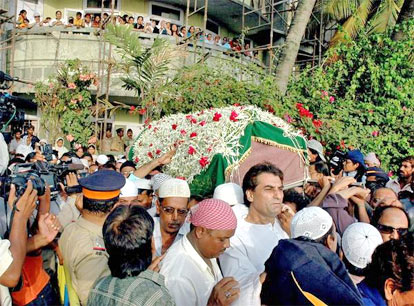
<point>81,243</point>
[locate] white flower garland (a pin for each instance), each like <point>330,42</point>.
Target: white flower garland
<point>198,137</point>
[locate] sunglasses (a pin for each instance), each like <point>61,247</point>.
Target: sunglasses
<point>170,210</point>
<point>385,229</point>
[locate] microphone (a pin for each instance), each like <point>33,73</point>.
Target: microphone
<point>70,167</point>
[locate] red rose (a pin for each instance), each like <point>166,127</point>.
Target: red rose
<point>136,160</point>
<point>191,150</point>
<point>150,145</point>
<point>375,133</point>
<point>188,117</point>
<point>236,104</point>
<point>174,126</point>
<point>216,117</point>
<point>150,155</point>
<point>317,123</point>
<point>142,111</point>
<point>183,132</point>
<point>158,152</point>
<point>202,123</point>
<point>203,162</point>
<point>299,105</point>
<point>132,108</point>
<point>194,121</point>
<point>233,116</point>
<point>193,134</point>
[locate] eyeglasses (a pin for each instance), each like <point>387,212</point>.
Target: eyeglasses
<point>386,229</point>
<point>170,210</point>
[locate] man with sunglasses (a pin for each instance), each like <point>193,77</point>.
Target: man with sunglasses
<point>392,222</point>
<point>172,208</point>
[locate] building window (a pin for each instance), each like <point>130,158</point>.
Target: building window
<point>97,4</point>
<point>212,27</point>
<point>163,11</point>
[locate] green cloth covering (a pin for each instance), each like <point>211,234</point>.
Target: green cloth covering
<point>203,184</point>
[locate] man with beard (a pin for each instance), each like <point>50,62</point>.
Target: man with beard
<point>259,232</point>
<point>192,274</point>
<point>172,208</point>
<point>402,185</point>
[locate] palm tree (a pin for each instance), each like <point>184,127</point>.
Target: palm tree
<point>406,13</point>
<point>290,49</point>
<point>376,16</point>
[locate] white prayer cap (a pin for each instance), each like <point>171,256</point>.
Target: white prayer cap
<point>85,163</point>
<point>143,184</point>
<point>121,161</point>
<point>174,188</point>
<point>359,242</point>
<point>102,159</point>
<point>43,141</point>
<point>311,222</point>
<point>230,193</point>
<point>158,179</point>
<point>129,189</point>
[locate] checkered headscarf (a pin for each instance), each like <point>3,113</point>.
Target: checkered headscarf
<point>213,214</point>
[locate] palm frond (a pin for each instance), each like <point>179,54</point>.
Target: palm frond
<point>386,16</point>
<point>339,9</point>
<point>354,23</point>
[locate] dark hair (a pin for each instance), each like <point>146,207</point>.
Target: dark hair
<point>393,259</point>
<point>140,17</point>
<point>109,130</point>
<point>379,211</point>
<point>58,12</point>
<point>22,11</point>
<point>127,233</point>
<point>99,206</point>
<point>86,154</point>
<point>111,158</point>
<point>321,167</point>
<point>129,130</point>
<point>67,154</point>
<point>119,130</point>
<point>409,159</point>
<point>292,196</point>
<point>109,165</point>
<point>31,127</point>
<point>78,13</point>
<point>250,178</point>
<point>352,269</point>
<point>128,163</point>
<point>30,156</point>
<point>17,131</point>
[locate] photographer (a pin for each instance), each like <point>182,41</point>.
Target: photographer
<point>354,166</point>
<point>13,251</point>
<point>4,155</point>
<point>36,282</point>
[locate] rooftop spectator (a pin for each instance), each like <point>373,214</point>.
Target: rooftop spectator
<point>225,43</point>
<point>148,27</point>
<point>58,21</point>
<point>37,22</point>
<point>131,21</point>
<point>140,23</point>
<point>154,26</point>
<point>120,20</point>
<point>70,22</point>
<point>20,19</point>
<point>88,21</point>
<point>191,31</point>
<point>79,22</point>
<point>96,21</point>
<point>209,39</point>
<point>217,40</point>
<point>247,52</point>
<point>174,30</point>
<point>183,32</point>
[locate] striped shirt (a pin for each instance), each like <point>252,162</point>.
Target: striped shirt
<point>145,289</point>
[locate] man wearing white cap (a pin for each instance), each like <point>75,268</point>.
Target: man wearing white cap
<point>145,194</point>
<point>359,242</point>
<point>129,194</point>
<point>101,160</point>
<point>305,269</point>
<point>258,233</point>
<point>172,207</point>
<point>190,268</point>
<point>232,194</point>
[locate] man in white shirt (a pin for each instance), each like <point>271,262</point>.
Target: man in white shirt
<point>172,208</point>
<point>190,267</point>
<point>258,233</point>
<point>58,21</point>
<point>15,142</point>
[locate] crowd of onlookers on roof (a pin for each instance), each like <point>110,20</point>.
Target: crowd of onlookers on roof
<point>139,24</point>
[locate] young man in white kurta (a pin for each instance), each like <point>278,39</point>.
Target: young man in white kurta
<point>257,234</point>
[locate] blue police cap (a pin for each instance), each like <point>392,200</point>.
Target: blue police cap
<point>103,180</point>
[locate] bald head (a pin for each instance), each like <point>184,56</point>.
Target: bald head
<point>382,195</point>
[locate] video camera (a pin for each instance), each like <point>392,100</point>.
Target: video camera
<point>41,174</point>
<point>8,112</point>
<point>336,163</point>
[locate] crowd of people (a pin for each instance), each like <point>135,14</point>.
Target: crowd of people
<point>128,235</point>
<point>139,24</point>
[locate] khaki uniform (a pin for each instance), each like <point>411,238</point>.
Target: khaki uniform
<point>106,144</point>
<point>117,144</point>
<point>84,256</point>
